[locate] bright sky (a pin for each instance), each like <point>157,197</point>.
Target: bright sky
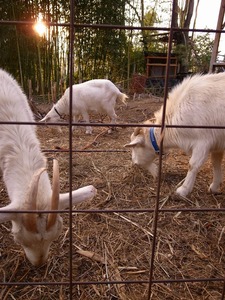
<point>208,12</point>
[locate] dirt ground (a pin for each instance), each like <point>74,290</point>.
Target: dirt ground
<point>190,245</point>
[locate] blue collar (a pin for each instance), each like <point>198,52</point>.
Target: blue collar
<point>153,140</point>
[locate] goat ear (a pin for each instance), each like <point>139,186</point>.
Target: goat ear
<point>138,140</point>
<point>29,219</point>
<point>8,216</point>
<point>55,194</point>
<point>82,194</point>
<point>137,131</point>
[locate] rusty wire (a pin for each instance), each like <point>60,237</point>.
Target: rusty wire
<point>156,211</point>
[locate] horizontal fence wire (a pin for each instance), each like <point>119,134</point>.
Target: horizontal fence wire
<point>156,211</point>
<point>110,27</point>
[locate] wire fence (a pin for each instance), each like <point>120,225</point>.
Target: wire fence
<point>152,284</point>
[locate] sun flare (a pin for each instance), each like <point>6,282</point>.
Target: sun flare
<point>40,28</point>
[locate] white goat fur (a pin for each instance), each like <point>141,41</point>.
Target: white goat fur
<point>93,96</point>
<point>198,101</point>
<point>23,166</point>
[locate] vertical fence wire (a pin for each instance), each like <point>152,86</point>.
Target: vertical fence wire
<point>71,68</point>
<point>156,210</point>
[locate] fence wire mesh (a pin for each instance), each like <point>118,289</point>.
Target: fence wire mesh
<point>136,239</point>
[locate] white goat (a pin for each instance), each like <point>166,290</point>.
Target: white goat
<point>197,101</point>
<point>24,172</point>
<point>93,96</point>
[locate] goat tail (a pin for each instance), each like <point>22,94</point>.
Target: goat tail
<point>122,97</point>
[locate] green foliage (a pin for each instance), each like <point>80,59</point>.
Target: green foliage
<point>201,50</point>
<point>144,41</point>
<point>152,38</point>
<point>196,56</point>
<point>182,53</point>
<point>100,52</point>
<point>44,60</point>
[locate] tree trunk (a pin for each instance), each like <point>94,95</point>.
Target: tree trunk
<point>182,37</point>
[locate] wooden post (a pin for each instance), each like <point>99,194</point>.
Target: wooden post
<point>217,37</point>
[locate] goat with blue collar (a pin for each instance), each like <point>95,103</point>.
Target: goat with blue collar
<point>197,102</point>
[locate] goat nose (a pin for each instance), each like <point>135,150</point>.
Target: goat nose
<point>40,262</point>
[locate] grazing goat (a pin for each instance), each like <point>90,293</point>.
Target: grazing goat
<point>24,173</point>
<point>93,96</point>
<point>197,101</point>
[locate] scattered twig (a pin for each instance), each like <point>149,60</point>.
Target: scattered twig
<point>135,224</point>
<point>120,288</point>
<point>221,234</point>
<point>198,252</point>
<point>94,140</point>
<point>92,255</point>
<point>10,279</point>
<point>108,182</point>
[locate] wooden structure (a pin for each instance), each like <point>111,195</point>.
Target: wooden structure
<point>213,62</point>
<point>156,66</point>
<point>156,63</point>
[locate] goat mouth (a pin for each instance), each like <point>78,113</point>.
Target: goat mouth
<point>39,263</point>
